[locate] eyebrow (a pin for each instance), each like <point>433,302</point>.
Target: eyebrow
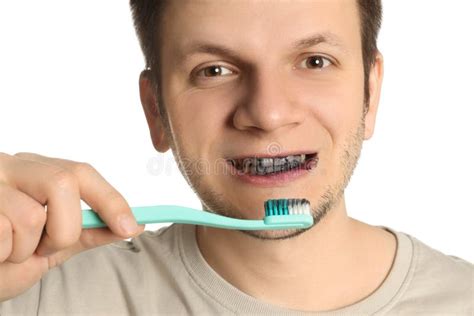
<point>215,49</point>
<point>327,37</point>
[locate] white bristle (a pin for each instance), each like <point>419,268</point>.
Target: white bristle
<point>298,207</point>
<point>305,208</point>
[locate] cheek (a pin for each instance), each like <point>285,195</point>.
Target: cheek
<point>335,104</point>
<point>197,118</point>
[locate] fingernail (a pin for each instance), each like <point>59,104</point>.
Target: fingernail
<point>128,224</point>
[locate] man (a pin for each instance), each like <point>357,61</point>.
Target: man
<point>254,79</point>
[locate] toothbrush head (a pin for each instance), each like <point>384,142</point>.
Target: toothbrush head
<point>282,212</point>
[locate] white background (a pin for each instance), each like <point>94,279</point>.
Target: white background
<point>69,88</point>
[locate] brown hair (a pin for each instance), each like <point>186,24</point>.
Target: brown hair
<point>147,13</point>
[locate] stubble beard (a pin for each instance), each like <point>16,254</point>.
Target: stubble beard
<point>216,202</point>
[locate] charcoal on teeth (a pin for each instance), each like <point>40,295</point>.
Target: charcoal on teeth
<point>266,162</point>
<point>277,168</point>
<point>262,166</point>
<point>278,162</point>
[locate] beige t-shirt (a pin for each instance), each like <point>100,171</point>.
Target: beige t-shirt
<point>164,273</point>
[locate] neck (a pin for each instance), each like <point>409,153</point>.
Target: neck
<point>334,264</point>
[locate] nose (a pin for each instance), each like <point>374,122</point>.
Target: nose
<point>269,104</point>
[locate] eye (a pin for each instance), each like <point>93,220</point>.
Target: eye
<point>214,71</point>
<point>316,62</point>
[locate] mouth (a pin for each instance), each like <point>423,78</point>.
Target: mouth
<point>274,165</point>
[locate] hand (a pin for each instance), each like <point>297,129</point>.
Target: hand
<point>33,240</point>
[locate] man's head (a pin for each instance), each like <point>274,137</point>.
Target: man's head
<point>237,77</point>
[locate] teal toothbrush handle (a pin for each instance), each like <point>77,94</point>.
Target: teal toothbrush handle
<point>186,215</point>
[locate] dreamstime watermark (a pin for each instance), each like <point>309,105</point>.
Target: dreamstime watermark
<point>162,164</point>
<point>159,165</point>
<point>274,149</point>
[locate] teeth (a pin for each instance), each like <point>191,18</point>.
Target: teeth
<point>247,163</point>
<point>278,168</point>
<point>253,168</point>
<point>266,162</point>
<point>262,166</point>
<point>278,162</point>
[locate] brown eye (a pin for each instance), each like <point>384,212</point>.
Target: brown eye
<point>214,71</point>
<point>316,62</point>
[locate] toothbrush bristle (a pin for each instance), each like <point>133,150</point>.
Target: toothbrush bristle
<point>287,207</point>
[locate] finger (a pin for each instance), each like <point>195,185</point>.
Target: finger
<point>22,219</point>
<point>58,189</point>
<point>5,238</point>
<point>99,194</point>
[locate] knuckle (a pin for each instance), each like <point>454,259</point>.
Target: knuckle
<point>62,179</point>
<point>83,168</point>
<point>64,240</point>
<point>59,243</point>
<point>62,237</point>
<point>36,218</point>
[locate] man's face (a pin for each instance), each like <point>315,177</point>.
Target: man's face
<point>268,97</point>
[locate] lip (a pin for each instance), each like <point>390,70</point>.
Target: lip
<point>277,179</point>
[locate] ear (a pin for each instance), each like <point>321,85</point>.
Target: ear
<point>150,107</point>
<point>375,86</point>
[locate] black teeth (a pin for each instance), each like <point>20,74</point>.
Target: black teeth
<point>280,164</point>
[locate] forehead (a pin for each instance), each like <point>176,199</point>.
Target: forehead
<point>259,25</point>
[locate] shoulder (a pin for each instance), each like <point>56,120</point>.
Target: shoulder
<point>439,282</point>
<point>441,268</point>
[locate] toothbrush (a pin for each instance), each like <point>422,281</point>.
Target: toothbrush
<point>279,214</point>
